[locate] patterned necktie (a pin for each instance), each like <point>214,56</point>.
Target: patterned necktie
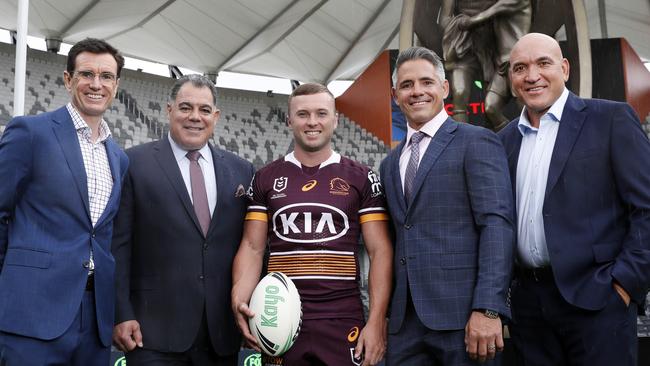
<point>412,166</point>
<point>199,195</point>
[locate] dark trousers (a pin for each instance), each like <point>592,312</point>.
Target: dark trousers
<point>78,346</point>
<point>416,345</point>
<point>547,330</point>
<point>200,354</point>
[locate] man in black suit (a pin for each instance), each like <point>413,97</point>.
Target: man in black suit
<point>177,231</point>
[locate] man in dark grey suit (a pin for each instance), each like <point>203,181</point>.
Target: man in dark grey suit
<point>177,231</point>
<point>452,216</point>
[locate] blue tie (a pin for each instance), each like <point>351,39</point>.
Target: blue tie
<point>412,166</point>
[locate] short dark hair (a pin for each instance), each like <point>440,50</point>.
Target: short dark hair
<point>198,81</point>
<point>309,89</point>
<point>96,46</point>
<point>419,53</point>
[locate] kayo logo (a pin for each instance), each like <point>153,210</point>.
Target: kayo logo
<point>292,222</point>
<point>271,299</point>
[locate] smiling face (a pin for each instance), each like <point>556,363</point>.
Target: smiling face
<point>538,73</point>
<point>419,92</point>
<point>312,118</point>
<point>192,116</point>
<point>91,97</point>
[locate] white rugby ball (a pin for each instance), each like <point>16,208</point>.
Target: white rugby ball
<point>278,313</point>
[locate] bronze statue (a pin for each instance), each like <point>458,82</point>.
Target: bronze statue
<point>477,39</point>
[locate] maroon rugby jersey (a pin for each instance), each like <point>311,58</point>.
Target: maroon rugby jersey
<point>315,216</point>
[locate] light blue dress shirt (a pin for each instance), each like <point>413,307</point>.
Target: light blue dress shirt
<point>532,173</point>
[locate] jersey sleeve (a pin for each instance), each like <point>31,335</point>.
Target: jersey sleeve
<point>373,200</point>
<point>257,209</point>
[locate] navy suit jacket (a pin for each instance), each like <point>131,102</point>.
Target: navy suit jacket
<point>168,272</point>
<point>454,241</point>
<point>45,228</point>
<point>597,202</point>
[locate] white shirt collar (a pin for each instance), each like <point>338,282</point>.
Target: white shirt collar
<point>333,159</point>
<point>430,128</point>
<point>81,124</point>
<point>180,153</point>
<point>555,112</point>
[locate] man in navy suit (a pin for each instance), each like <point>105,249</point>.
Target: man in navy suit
<point>581,179</point>
<point>61,175</point>
<point>451,206</point>
<point>176,233</point>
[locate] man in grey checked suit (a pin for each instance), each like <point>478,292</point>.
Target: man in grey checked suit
<point>450,199</point>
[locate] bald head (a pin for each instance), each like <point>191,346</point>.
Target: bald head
<point>537,73</point>
<point>537,40</point>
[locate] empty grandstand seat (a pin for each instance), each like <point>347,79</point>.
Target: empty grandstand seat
<point>138,113</point>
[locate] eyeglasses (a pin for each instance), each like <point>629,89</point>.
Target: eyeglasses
<point>106,78</point>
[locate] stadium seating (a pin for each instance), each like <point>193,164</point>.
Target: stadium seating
<point>252,124</point>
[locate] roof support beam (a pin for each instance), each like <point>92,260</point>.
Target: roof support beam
<point>76,18</point>
<point>257,34</point>
<point>285,34</point>
<point>143,21</point>
<point>360,35</point>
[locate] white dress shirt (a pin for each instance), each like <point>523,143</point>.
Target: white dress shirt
<point>207,167</point>
<point>429,129</point>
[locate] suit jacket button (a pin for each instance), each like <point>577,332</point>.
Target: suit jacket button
<point>86,264</point>
<point>201,277</point>
<point>402,261</point>
<point>205,246</point>
<point>407,226</point>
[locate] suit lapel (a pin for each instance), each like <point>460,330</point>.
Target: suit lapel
<point>165,157</point>
<point>66,135</point>
<point>222,179</point>
<point>437,145</point>
<point>571,123</point>
<point>112,152</point>
<point>512,147</point>
<point>396,177</point>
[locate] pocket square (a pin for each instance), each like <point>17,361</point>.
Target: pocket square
<point>240,191</point>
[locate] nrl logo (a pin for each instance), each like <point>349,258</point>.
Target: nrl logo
<point>280,184</point>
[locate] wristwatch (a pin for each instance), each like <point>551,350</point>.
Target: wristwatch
<point>489,313</point>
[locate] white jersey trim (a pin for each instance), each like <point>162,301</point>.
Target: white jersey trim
<point>372,209</point>
<point>257,208</point>
<point>322,278</point>
<point>318,252</point>
<point>335,158</point>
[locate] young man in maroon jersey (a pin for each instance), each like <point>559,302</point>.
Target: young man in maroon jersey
<point>312,204</point>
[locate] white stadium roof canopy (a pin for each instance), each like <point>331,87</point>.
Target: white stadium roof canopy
<point>306,40</point>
